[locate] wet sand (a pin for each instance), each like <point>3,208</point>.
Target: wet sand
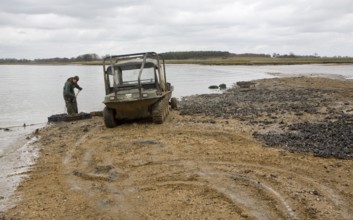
<point>18,151</point>
<point>14,163</point>
<point>197,165</point>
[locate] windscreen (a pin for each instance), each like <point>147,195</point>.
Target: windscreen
<point>126,74</point>
<point>130,77</point>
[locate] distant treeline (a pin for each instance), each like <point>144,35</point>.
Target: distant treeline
<point>56,60</point>
<point>94,59</point>
<point>194,55</point>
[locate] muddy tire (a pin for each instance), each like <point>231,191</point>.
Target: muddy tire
<point>109,120</point>
<point>160,111</point>
<point>174,103</point>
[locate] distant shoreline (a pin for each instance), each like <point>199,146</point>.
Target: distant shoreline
<point>261,61</point>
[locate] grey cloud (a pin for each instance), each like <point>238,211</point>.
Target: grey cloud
<point>119,26</point>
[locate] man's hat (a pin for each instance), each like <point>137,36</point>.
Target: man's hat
<point>77,78</point>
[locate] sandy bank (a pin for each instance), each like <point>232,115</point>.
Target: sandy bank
<point>205,163</point>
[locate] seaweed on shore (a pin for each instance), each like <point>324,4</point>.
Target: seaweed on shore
<point>324,139</point>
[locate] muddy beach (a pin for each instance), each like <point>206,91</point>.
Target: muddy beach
<point>280,150</point>
<point>312,115</point>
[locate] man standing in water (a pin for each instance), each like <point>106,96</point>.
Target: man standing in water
<point>69,94</point>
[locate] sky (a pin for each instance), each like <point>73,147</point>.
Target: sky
<point>32,29</point>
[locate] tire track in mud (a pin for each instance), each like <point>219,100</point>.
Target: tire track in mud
<point>340,208</point>
<point>239,190</point>
<point>300,177</point>
<point>255,204</point>
<point>196,170</point>
<point>97,187</point>
<point>334,199</point>
<point>303,181</point>
<point>224,183</point>
<point>250,194</point>
<point>242,190</point>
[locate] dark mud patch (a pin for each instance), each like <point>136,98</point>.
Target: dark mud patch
<point>253,103</point>
<point>325,139</point>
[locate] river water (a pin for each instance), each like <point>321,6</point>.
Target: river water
<point>31,93</point>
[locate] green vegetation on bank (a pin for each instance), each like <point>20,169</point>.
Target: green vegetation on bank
<point>226,58</point>
<point>199,57</point>
<point>82,59</point>
<point>183,55</point>
<point>263,61</point>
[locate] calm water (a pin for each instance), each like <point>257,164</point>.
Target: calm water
<point>29,94</point>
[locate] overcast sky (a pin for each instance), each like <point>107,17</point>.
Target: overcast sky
<point>62,28</point>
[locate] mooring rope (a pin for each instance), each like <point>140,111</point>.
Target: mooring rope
<point>24,126</point>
